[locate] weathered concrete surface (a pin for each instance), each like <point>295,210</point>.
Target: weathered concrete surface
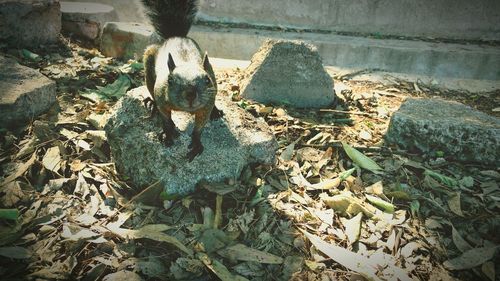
<point>288,72</point>
<point>126,39</point>
<point>24,94</point>
<point>86,19</point>
<point>231,143</point>
<point>432,125</point>
<point>403,56</point>
<point>460,19</point>
<point>30,23</point>
<point>127,11</point>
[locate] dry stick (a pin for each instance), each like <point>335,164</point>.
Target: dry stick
<point>382,149</point>
<point>348,112</point>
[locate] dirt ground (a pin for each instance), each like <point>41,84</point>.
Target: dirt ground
<point>339,204</point>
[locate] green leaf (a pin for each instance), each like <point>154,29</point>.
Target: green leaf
<point>30,55</point>
<point>471,258</point>
<point>386,206</point>
<point>241,252</point>
<point>18,253</point>
<point>110,92</point>
<point>9,214</point>
<point>415,207</point>
<point>360,159</point>
<point>450,182</point>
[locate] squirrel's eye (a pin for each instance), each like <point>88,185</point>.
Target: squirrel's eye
<point>207,80</point>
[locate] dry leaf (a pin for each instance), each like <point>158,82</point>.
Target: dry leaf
<point>52,159</point>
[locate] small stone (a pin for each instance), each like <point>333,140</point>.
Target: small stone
<point>231,144</point>
<point>365,135</point>
<point>25,93</point>
<point>460,132</point>
<point>289,73</point>
<point>86,19</point>
<point>126,40</point>
<point>280,112</point>
<point>30,23</point>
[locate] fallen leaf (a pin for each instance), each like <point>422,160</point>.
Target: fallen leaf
<point>454,204</point>
<point>20,171</point>
<point>385,206</point>
<point>17,253</point>
<point>243,253</point>
<point>344,257</point>
<point>122,275</point>
<point>488,269</point>
<point>9,214</point>
<point>360,159</point>
<point>52,159</point>
<point>471,258</point>
<point>219,269</point>
<point>353,228</point>
<point>459,242</point>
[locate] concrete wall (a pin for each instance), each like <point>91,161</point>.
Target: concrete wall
<point>457,19</point>
<point>454,19</point>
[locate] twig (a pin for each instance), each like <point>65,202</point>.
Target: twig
<point>347,112</point>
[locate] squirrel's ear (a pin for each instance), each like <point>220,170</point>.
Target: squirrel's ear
<point>171,63</point>
<point>206,63</point>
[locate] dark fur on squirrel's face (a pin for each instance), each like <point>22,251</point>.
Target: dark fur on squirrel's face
<point>189,85</point>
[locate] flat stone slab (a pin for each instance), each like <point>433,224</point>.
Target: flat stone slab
<point>30,23</point>
<point>290,73</point>
<point>24,94</point>
<point>126,40</point>
<point>432,125</point>
<point>86,19</point>
<point>231,143</point>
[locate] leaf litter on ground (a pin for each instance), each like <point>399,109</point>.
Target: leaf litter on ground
<point>367,221</point>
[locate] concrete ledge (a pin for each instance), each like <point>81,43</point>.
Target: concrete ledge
<point>403,56</point>
<point>451,19</point>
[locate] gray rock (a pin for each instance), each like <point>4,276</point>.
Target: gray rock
<point>30,23</point>
<point>24,94</point>
<point>86,19</point>
<point>231,143</point>
<point>126,39</point>
<point>461,132</point>
<point>290,73</point>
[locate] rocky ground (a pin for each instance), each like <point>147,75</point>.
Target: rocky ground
<point>338,205</point>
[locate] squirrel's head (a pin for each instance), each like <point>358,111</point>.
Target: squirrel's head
<point>190,86</point>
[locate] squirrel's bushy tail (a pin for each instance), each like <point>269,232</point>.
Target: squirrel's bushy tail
<point>171,18</point>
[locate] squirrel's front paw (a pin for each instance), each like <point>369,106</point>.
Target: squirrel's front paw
<point>150,105</point>
<point>216,113</point>
<point>168,136</point>
<point>196,149</point>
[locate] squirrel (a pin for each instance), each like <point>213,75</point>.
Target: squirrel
<point>178,76</point>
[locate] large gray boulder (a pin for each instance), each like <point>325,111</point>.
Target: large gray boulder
<point>231,143</point>
<point>432,125</point>
<point>30,23</point>
<point>127,40</point>
<point>290,73</point>
<point>86,20</point>
<point>24,93</point>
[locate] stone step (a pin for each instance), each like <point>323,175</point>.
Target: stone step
<point>401,56</point>
<point>30,23</point>
<point>460,132</point>
<point>86,20</point>
<point>25,93</point>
